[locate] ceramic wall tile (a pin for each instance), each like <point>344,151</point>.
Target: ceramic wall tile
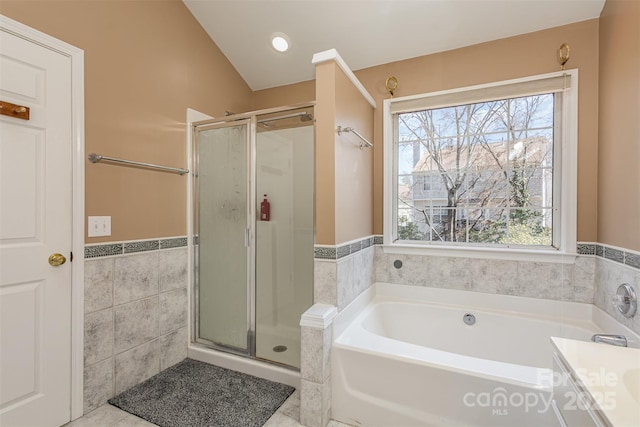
<point>141,246</point>
<point>98,284</point>
<point>635,322</point>
<point>609,275</point>
<point>381,266</point>
<point>175,242</point>
<point>540,280</point>
<point>315,403</point>
<point>109,249</point>
<point>172,268</point>
<point>518,278</point>
<point>136,365</point>
<point>173,310</point>
<point>136,323</point>
<point>581,289</point>
<point>327,338</point>
<point>497,272</point>
<point>98,384</point>
<point>632,260</point>
<point>405,270</point>
<point>98,336</point>
<point>311,355</point>
<point>354,275</point>
<point>123,296</point>
<point>136,277</point>
<point>454,272</point>
<point>173,347</point>
<point>324,282</point>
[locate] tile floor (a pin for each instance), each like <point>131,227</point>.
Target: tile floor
<point>287,415</point>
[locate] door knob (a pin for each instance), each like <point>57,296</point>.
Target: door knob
<point>57,259</point>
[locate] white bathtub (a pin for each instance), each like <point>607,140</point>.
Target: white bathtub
<point>403,356</point>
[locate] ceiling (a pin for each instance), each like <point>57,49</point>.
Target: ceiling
<point>367,32</point>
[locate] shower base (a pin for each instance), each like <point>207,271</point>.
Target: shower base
<point>246,365</point>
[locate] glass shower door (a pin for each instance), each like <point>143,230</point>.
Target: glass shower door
<point>222,253</point>
<point>284,243</point>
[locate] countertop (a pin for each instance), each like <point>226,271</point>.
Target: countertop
<point>610,374</point>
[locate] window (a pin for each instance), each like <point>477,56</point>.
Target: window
<point>486,166</point>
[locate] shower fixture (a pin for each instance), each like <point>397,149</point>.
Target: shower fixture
<point>303,115</point>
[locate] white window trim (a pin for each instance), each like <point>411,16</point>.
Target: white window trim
<point>568,197</point>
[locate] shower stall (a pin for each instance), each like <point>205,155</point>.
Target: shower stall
<point>253,273</point>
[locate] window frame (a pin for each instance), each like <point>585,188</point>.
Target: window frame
<point>566,167</point>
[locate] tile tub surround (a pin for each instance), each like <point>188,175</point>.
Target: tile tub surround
<point>566,282</point>
<point>341,273</point>
<point>344,271</point>
<point>135,314</point>
<point>609,275</point>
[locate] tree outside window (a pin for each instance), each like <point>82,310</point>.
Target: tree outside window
<point>477,173</point>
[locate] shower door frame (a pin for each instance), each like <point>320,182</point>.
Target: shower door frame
<point>251,118</point>
<point>250,267</point>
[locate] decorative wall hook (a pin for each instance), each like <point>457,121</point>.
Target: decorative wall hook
<point>391,84</point>
<point>563,55</point>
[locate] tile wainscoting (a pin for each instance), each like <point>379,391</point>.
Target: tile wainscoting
<point>135,314</point>
<point>136,295</point>
<point>344,271</point>
<point>341,273</point>
<point>566,282</point>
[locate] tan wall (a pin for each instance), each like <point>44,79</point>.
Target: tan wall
<point>354,167</point>
<point>137,93</point>
<point>514,57</point>
<point>145,63</point>
<point>325,153</point>
<point>343,184</point>
<point>619,132</point>
<point>284,95</point>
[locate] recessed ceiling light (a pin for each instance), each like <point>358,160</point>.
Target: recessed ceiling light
<point>280,42</point>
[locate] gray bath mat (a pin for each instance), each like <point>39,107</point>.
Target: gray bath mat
<point>196,394</point>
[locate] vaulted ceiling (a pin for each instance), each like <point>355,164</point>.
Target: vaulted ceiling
<point>367,32</point>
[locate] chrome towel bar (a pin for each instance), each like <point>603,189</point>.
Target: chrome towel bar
<point>95,158</point>
<point>365,141</point>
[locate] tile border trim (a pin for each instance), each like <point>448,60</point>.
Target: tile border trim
<point>620,255</point>
<point>335,252</point>
<point>133,246</point>
<point>612,253</point>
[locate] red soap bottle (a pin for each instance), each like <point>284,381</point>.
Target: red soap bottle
<point>265,210</point>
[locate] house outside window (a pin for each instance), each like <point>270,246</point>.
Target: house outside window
<point>490,166</point>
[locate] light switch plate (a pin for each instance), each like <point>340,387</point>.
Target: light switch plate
<point>99,226</point>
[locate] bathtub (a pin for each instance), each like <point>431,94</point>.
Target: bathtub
<point>403,356</point>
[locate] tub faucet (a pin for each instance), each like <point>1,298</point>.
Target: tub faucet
<point>618,340</point>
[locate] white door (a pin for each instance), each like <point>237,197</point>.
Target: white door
<point>35,222</point>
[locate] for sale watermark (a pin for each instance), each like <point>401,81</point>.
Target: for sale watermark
<point>500,401</point>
